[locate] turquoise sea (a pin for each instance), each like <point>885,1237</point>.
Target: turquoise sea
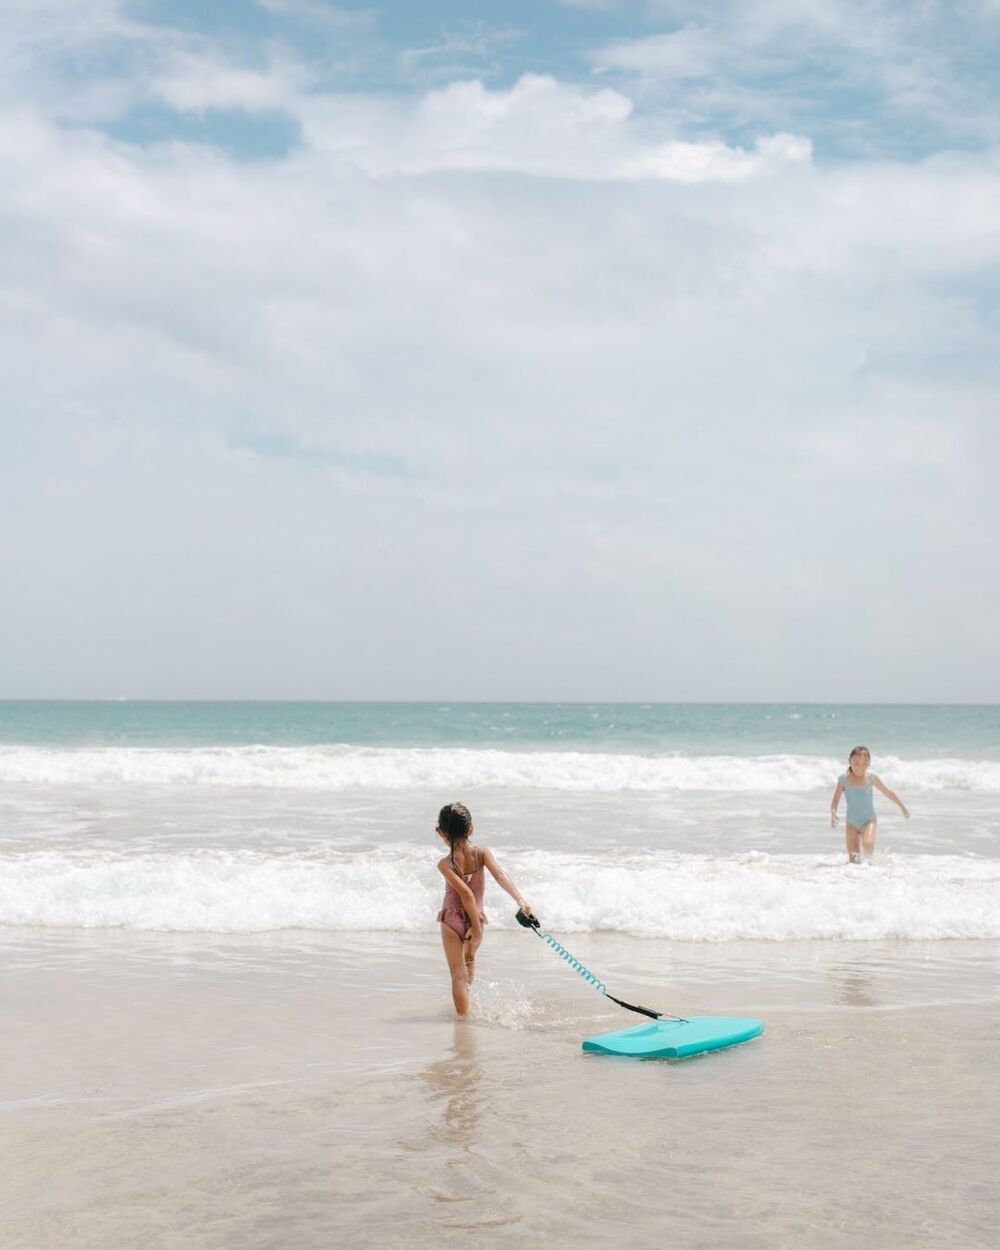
<point>247,817</point>
<point>691,728</point>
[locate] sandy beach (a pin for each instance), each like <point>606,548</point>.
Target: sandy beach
<point>312,1090</point>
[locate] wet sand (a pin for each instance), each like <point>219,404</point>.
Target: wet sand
<point>308,1090</point>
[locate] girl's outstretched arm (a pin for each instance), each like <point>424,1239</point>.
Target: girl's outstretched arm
<point>466,896</point>
<point>503,881</point>
<point>877,782</point>
<point>835,803</point>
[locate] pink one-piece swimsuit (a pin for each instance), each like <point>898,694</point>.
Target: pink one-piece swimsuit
<point>452,912</point>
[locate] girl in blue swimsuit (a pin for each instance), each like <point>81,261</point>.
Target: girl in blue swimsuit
<point>856,786</point>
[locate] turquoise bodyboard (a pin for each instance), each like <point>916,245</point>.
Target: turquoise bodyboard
<point>675,1039</point>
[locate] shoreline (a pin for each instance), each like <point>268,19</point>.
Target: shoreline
<point>202,1091</point>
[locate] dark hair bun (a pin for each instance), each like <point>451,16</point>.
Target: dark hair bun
<point>455,821</point>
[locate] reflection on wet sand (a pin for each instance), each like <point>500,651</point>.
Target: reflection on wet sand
<point>459,1086</point>
<point>456,1083</point>
<point>855,985</point>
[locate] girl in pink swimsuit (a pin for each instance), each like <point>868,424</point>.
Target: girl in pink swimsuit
<point>461,916</point>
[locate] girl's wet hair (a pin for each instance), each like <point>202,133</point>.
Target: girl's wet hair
<point>455,822</point>
<point>859,751</point>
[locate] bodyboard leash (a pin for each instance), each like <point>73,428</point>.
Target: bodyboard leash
<point>532,922</point>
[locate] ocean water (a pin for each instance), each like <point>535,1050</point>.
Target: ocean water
<point>690,822</point>
<point>227,1020</point>
<point>660,728</point>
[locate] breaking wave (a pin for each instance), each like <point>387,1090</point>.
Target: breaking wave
<point>655,894</point>
<point>383,768</point>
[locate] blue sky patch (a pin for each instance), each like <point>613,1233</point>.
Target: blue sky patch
<point>875,80</point>
<point>263,135</point>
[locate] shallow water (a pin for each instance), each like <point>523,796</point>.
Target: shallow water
<point>685,865</point>
<point>314,1089</point>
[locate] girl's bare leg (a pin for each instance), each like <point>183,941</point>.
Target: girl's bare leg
<point>852,836</point>
<point>454,952</point>
<point>471,946</point>
<point>868,838</point>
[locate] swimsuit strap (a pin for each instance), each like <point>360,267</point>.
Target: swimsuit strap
<point>477,862</point>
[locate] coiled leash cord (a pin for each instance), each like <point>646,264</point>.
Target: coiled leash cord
<point>532,922</point>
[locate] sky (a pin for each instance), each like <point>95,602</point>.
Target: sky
<point>562,349</point>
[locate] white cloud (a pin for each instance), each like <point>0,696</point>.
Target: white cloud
<point>700,162</point>
<point>691,52</point>
<point>539,126</point>
<point>44,44</point>
<point>194,82</point>
<point>836,63</point>
<point>666,378</point>
<point>458,46</point>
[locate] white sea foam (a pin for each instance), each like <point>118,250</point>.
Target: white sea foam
<point>656,894</point>
<point>454,769</point>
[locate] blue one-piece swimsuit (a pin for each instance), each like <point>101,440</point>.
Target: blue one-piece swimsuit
<point>860,802</point>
